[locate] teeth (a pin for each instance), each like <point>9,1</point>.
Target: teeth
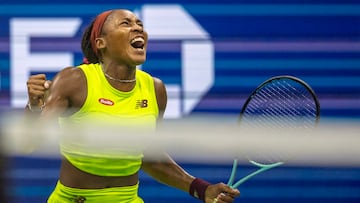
<point>137,39</point>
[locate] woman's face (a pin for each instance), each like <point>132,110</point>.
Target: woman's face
<point>124,38</point>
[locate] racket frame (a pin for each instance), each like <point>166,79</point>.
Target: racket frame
<point>265,167</point>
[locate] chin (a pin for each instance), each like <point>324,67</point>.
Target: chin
<point>139,60</point>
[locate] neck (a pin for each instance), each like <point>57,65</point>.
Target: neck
<point>122,74</point>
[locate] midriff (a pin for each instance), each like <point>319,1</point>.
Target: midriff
<point>71,176</point>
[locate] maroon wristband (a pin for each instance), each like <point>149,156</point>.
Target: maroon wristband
<point>197,188</point>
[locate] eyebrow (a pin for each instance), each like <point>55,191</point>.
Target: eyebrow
<point>129,20</point>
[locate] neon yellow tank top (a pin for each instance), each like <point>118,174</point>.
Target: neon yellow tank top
<point>106,116</point>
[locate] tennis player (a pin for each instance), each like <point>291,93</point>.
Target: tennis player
<point>108,86</point>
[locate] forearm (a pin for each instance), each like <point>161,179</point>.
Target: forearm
<point>167,171</point>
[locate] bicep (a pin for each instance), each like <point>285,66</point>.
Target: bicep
<point>60,93</point>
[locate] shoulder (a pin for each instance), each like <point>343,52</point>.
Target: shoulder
<point>68,89</point>
<point>159,85</point>
<point>161,95</point>
<point>69,80</point>
<point>69,71</point>
<point>69,74</point>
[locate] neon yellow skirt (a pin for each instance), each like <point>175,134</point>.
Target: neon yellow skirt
<point>63,194</point>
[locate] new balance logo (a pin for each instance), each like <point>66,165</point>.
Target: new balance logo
<point>141,103</point>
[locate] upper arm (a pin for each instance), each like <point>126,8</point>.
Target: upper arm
<point>65,92</point>
<point>161,96</point>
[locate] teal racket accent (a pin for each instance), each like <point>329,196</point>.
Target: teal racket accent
<point>262,168</point>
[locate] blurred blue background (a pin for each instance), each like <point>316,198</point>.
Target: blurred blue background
<point>230,47</point>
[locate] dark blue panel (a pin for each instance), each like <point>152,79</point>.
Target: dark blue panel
<point>277,27</point>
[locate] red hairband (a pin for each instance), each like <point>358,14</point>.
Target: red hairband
<point>96,29</point>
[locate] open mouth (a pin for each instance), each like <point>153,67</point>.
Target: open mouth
<point>138,43</point>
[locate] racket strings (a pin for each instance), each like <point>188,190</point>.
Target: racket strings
<point>278,105</point>
<point>281,104</point>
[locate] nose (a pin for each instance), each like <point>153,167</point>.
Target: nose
<point>138,28</point>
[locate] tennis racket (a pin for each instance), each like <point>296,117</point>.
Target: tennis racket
<point>278,103</point>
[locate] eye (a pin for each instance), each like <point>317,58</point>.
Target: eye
<point>124,23</point>
<point>140,24</point>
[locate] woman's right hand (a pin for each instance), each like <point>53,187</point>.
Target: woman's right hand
<point>37,87</point>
